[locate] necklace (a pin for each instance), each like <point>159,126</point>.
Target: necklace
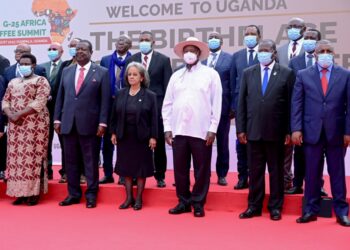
<point>133,93</point>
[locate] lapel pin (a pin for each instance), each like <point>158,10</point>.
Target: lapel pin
<point>140,100</point>
<point>274,73</point>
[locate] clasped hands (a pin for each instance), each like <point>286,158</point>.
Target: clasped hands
<point>210,138</point>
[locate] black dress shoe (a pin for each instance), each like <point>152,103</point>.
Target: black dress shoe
<point>33,200</point>
<point>19,201</point>
<point>343,220</point>
<point>127,204</point>
<point>63,179</point>
<point>50,176</point>
<point>161,183</point>
<point>69,201</point>
<point>138,205</point>
<point>306,218</point>
<point>2,175</point>
<point>90,203</point>
<point>222,181</point>
<point>323,192</point>
<point>241,184</point>
<point>275,214</point>
<point>198,211</point>
<point>180,209</point>
<point>294,190</point>
<point>106,180</point>
<point>250,213</point>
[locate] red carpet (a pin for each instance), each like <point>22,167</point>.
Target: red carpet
<point>48,226</point>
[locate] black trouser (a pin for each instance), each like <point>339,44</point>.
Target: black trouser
<point>160,160</point>
<point>107,152</point>
<point>50,107</point>
<point>185,147</point>
<point>3,152</point>
<point>87,146</point>
<point>223,154</point>
<point>261,153</point>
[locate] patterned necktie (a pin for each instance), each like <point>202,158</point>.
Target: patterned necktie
<point>265,80</point>
<point>213,59</point>
<point>294,49</point>
<point>53,72</point>
<point>309,60</point>
<point>144,63</point>
<point>80,80</point>
<point>251,58</point>
<point>324,80</point>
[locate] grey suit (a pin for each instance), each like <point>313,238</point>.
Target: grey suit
<point>283,56</point>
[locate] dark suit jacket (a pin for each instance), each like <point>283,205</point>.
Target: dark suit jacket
<point>4,63</point>
<point>89,107</point>
<point>146,116</point>
<point>312,111</point>
<point>54,91</point>
<point>159,71</point>
<point>10,72</point>
<point>297,63</point>
<point>223,67</point>
<point>265,117</point>
<point>239,63</point>
<point>2,93</point>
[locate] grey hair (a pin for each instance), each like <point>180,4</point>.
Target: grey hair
<point>143,72</point>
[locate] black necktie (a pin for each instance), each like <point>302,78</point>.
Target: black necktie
<point>251,57</point>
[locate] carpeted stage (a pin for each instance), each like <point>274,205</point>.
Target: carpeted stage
<point>48,226</point>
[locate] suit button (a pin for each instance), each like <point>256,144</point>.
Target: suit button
<point>324,104</point>
<point>76,98</point>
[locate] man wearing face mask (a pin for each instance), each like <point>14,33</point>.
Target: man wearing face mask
<point>243,59</point>
<point>295,31</point>
<point>115,63</point>
<point>302,61</point>
<point>54,53</point>
<point>320,121</point>
<point>159,70</point>
<point>72,52</point>
<point>221,62</point>
<point>263,124</point>
<point>191,113</point>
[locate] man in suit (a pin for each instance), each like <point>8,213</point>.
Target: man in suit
<point>295,31</point>
<point>13,71</point>
<point>263,124</point>
<point>115,63</point>
<point>81,116</point>
<point>222,63</point>
<point>320,121</point>
<point>54,53</point>
<point>159,70</point>
<point>243,59</point>
<point>4,63</point>
<point>72,52</point>
<point>302,61</point>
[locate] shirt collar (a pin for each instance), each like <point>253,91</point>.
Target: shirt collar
<point>299,42</point>
<point>329,69</point>
<point>149,55</point>
<point>217,53</point>
<point>270,66</point>
<point>86,66</point>
<point>255,49</point>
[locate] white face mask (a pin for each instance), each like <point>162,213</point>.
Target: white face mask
<point>190,58</point>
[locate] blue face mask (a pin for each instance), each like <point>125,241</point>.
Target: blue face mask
<point>72,51</point>
<point>309,45</point>
<point>25,70</point>
<point>325,60</point>
<point>52,54</point>
<point>250,41</point>
<point>145,47</point>
<point>214,43</point>
<point>294,34</point>
<point>265,58</point>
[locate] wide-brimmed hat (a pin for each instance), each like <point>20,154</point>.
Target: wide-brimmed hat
<point>203,47</point>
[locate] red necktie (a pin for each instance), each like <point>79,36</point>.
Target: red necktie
<point>80,80</point>
<point>294,48</point>
<point>324,81</point>
<point>145,62</point>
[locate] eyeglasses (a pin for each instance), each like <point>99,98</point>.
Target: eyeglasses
<point>52,49</point>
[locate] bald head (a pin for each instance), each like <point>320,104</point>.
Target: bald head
<point>296,28</point>
<point>215,45</point>
<point>21,49</point>
<point>55,51</point>
<point>123,44</point>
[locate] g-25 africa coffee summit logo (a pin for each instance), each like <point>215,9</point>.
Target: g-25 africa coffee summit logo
<point>51,24</point>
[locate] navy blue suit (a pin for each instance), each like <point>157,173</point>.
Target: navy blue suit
<point>80,115</point>
<point>223,66</point>
<point>323,120</point>
<point>240,63</point>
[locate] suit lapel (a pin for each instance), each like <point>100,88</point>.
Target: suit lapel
<point>316,76</point>
<point>257,75</point>
<point>140,103</point>
<point>219,61</point>
<point>152,63</point>
<point>275,74</point>
<point>88,77</point>
<point>332,79</point>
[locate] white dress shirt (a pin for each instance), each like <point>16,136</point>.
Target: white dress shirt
<point>51,65</point>
<point>149,57</point>
<point>299,45</point>
<point>256,48</point>
<point>210,57</point>
<point>192,103</point>
<point>262,67</point>
<point>77,72</point>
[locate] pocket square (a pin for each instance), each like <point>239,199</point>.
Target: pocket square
<point>94,80</point>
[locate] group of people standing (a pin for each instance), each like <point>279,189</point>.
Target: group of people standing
<point>289,99</point>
